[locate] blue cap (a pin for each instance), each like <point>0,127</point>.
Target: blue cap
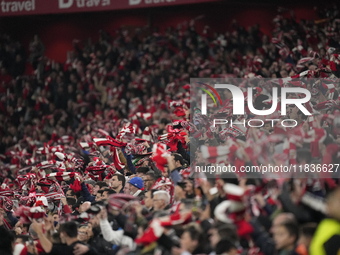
<point>137,182</point>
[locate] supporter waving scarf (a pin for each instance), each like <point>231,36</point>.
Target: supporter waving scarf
<point>108,141</point>
<point>27,214</point>
<point>65,176</point>
<point>128,132</point>
<point>173,137</point>
<point>49,184</point>
<point>156,226</point>
<point>166,184</point>
<point>160,155</point>
<point>95,172</point>
<point>47,149</point>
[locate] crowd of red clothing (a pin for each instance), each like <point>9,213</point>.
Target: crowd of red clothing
<point>98,154</point>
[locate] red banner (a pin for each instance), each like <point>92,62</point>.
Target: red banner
<point>31,7</point>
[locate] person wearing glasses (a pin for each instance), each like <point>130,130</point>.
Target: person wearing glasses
<point>82,234</point>
<point>149,180</point>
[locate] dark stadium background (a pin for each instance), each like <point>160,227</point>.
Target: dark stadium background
<point>57,31</point>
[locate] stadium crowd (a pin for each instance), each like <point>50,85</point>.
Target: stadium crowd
<point>98,153</point>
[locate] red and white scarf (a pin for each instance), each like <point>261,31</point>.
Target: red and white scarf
<point>160,155</point>
<point>166,184</point>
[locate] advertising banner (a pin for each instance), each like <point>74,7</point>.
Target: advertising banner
<point>33,7</point>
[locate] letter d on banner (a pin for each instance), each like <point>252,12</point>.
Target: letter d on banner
<point>65,5</point>
<point>134,2</point>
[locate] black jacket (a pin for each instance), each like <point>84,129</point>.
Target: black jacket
<point>98,242</point>
<point>262,238</point>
